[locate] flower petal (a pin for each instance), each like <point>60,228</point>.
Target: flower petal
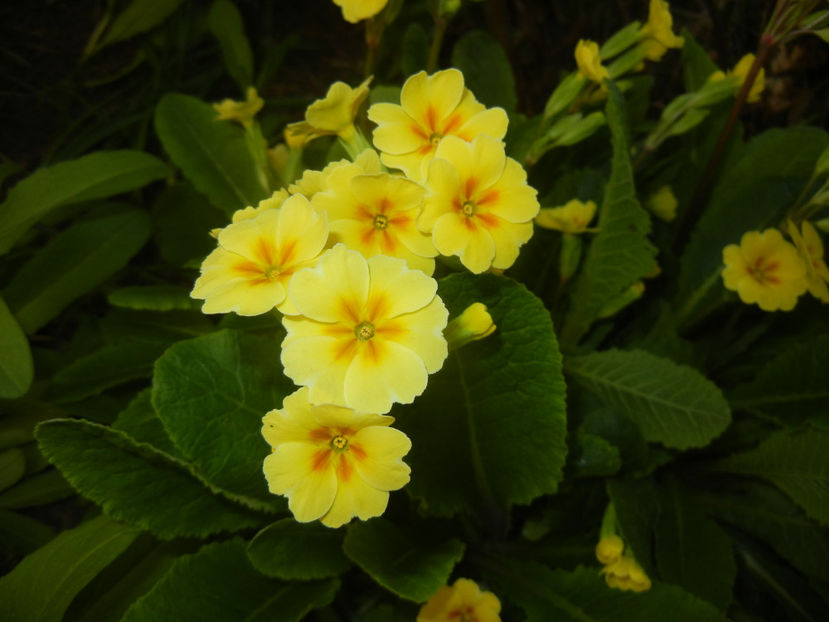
<point>444,186</point>
<point>421,332</point>
<point>430,99</point>
<point>508,238</point>
<point>454,235</point>
<point>293,423</point>
<point>302,232</point>
<point>395,289</point>
<point>318,362</point>
<point>355,498</point>
<point>380,462</point>
<point>299,471</point>
<point>335,290</point>
<point>383,372</point>
<point>396,131</point>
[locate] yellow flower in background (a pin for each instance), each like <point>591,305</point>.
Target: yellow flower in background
<point>249,272</point>
<point>810,247</point>
<point>658,34</point>
<point>626,574</point>
<point>431,107</point>
<point>241,112</point>
<point>356,10</point>
<point>312,182</point>
<point>572,217</point>
<point>740,72</point>
<point>663,204</point>
<point>273,202</point>
<point>334,114</point>
<point>765,269</point>
<point>478,205</point>
<point>609,549</point>
<point>473,324</point>
<point>376,214</point>
<point>332,463</point>
<point>462,602</point>
<point>588,61</point>
<point>368,333</point>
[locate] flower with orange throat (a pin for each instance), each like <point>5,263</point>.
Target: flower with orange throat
<point>249,271</point>
<point>368,332</point>
<point>367,162</point>
<point>462,602</point>
<point>588,61</point>
<point>333,114</point>
<point>810,247</point>
<point>333,463</point>
<point>765,269</point>
<point>376,214</point>
<point>478,205</point>
<point>431,107</point>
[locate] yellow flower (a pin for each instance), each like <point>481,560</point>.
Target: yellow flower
<point>588,61</point>
<point>740,72</point>
<point>765,269</point>
<point>332,463</point>
<point>478,205</point>
<point>334,114</point>
<point>273,202</point>
<point>463,602</point>
<point>473,324</point>
<point>658,35</point>
<point>431,107</point>
<point>663,204</point>
<point>626,574</point>
<point>312,182</point>
<point>369,331</point>
<point>810,247</point>
<point>572,217</point>
<point>241,112</point>
<point>356,10</point>
<point>609,549</point>
<point>249,272</point>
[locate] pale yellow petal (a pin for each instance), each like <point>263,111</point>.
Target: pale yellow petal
<point>335,289</point>
<point>516,201</point>
<point>396,132</point>
<point>508,238</point>
<point>453,234</point>
<point>292,423</point>
<point>395,289</point>
<point>489,122</point>
<point>302,232</point>
<point>430,99</point>
<point>304,474</point>
<point>245,297</point>
<point>390,191</point>
<point>479,164</point>
<point>317,362</point>
<point>381,464</point>
<point>444,186</point>
<point>355,498</point>
<point>383,372</point>
<point>421,332</point>
<point>410,163</point>
<point>254,238</point>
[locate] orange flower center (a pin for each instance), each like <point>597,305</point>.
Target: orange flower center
<point>464,615</point>
<point>763,272</point>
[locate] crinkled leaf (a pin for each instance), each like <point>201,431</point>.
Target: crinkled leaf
<point>16,368</point>
<point>226,24</point>
<point>486,69</point>
<point>140,422</point>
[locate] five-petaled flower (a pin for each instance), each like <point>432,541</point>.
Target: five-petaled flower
<point>333,114</point>
<point>331,462</point>
<point>462,602</point>
<point>572,217</point>
<point>368,333</point>
<point>431,107</point>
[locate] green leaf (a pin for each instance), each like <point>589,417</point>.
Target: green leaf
<point>75,262</point>
<point>672,404</point>
<point>620,254</point>
<point>16,368</point>
<point>697,65</point>
<point>486,69</point>
<point>413,565</point>
<point>183,219</point>
<point>219,584</point>
<point>792,386</point>
<point>40,489</point>
<point>287,549</point>
<point>751,195</point>
<point>582,596</point>
<point>94,176</point>
<point>12,467</point>
<point>20,534</point>
<point>212,154</point>
<point>795,462</point>
<point>41,587</point>
<point>153,298</point>
<point>414,53</point>
<point>637,512</point>
<point>226,24</point>
<point>494,416</point>
<point>593,456</point>
<point>140,422</point>
<point>139,16</point>
<point>128,479</point>
<point>211,394</point>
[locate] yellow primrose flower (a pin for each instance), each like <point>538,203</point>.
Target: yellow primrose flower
<point>367,162</point>
<point>572,217</point>
<point>609,549</point>
<point>626,574</point>
<point>473,324</point>
<point>478,205</point>
<point>241,112</point>
<point>810,247</point>
<point>658,35</point>
<point>588,61</point>
<point>463,602</point>
<point>431,107</point>
<point>356,10</point>
<point>273,202</point>
<point>376,214</point>
<point>368,333</point>
<point>332,463</point>
<point>765,269</point>
<point>740,72</point>
<point>249,272</point>
<point>334,114</point>
<point>663,204</point>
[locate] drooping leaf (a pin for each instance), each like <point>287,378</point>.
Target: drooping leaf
<point>212,155</point>
<point>140,422</point>
<point>128,480</point>
<point>16,368</point>
<point>40,588</point>
<point>486,69</point>
<point>620,254</point>
<point>153,298</point>
<point>218,583</point>
<point>226,24</point>
<point>211,394</point>
<point>74,263</point>
<point>287,549</point>
<point>94,176</point>
<point>494,416</point>
<point>412,565</point>
<point>137,17</point>
<point>672,404</point>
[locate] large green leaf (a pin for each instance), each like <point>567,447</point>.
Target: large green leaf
<point>139,16</point>
<point>41,587</point>
<point>153,298</point>
<point>291,550</point>
<point>412,565</point>
<point>211,394</point>
<point>486,69</point>
<point>620,254</point>
<point>212,155</point>
<point>751,195</point>
<point>219,583</point>
<point>637,512</point>
<point>94,176</point>
<point>672,404</point>
<point>796,462</point>
<point>16,369</point>
<point>20,534</point>
<point>74,263</point>
<point>39,489</point>
<point>128,479</point>
<point>494,416</point>
<point>12,467</point>
<point>140,422</point>
<point>696,62</point>
<point>183,219</point>
<point>226,24</point>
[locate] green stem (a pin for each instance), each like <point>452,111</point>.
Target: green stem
<point>441,23</point>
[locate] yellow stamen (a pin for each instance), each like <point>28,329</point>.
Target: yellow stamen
<point>339,442</point>
<point>364,331</point>
<point>381,221</point>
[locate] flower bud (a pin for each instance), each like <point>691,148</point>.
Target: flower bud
<point>473,324</point>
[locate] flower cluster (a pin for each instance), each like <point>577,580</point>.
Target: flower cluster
<point>464,600</point>
<point>620,568</point>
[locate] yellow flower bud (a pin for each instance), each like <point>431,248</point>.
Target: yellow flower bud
<point>473,324</point>
<point>609,549</point>
<point>356,10</point>
<point>588,61</point>
<point>663,204</point>
<point>573,217</point>
<point>740,72</point>
<point>241,112</point>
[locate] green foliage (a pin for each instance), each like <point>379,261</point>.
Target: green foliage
<point>225,23</point>
<point>486,69</point>
<point>12,467</point>
<point>637,511</point>
<point>138,17</point>
<point>16,370</point>
<point>153,298</point>
<point>141,423</point>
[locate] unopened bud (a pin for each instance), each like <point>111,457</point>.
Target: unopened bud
<point>473,324</point>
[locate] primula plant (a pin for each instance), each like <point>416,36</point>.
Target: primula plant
<point>438,310</point>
